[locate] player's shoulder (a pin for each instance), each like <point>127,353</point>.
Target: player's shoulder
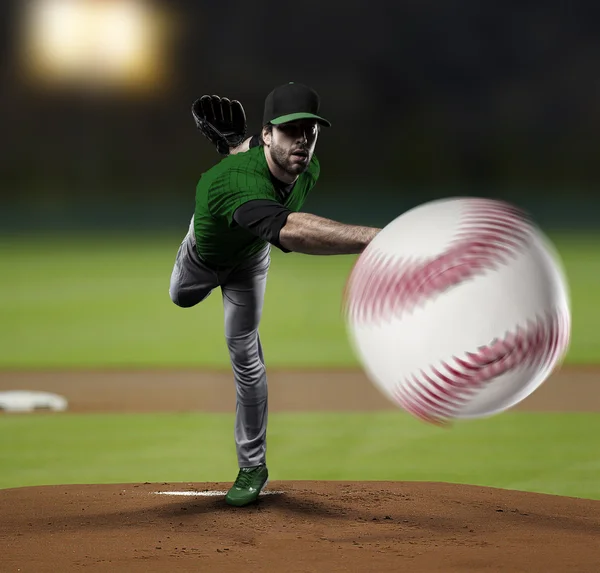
<point>243,169</point>
<point>252,161</point>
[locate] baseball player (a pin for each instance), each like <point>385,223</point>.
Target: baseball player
<point>249,201</point>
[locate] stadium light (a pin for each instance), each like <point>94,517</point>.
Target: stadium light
<point>108,43</point>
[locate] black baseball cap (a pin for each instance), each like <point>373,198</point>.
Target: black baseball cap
<point>292,101</point>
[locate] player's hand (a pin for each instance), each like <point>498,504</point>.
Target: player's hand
<point>221,120</point>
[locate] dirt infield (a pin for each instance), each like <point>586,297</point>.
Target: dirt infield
<point>570,389</point>
<point>300,526</point>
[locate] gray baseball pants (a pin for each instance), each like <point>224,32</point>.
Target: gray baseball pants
<point>243,290</point>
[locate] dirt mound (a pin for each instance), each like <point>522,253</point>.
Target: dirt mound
<point>300,526</point>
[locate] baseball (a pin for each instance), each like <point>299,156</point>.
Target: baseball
<point>459,308</point>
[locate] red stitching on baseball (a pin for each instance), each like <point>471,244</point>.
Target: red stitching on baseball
<point>381,286</point>
<point>437,395</point>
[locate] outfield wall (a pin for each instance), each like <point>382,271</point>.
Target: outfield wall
<point>364,202</point>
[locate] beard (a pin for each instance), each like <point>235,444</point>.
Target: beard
<point>284,160</point>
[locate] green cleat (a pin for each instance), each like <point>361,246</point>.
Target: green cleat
<point>247,486</point>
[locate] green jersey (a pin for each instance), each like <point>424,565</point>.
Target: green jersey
<point>234,181</point>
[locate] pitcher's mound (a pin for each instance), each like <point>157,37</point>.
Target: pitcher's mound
<point>301,526</point>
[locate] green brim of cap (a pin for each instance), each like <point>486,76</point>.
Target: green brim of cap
<point>299,115</point>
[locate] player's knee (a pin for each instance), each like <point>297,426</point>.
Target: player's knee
<point>243,351</point>
<point>178,298</point>
<point>187,297</point>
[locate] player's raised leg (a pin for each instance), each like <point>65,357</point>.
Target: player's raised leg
<point>191,280</point>
<point>243,297</point>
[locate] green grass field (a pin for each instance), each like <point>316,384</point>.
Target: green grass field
<point>74,302</point>
<point>93,302</point>
<point>547,453</point>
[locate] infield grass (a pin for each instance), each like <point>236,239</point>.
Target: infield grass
<point>75,301</point>
<point>540,452</point>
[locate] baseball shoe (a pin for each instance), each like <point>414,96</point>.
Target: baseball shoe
<point>247,486</point>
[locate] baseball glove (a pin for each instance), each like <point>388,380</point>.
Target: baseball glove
<point>221,120</point>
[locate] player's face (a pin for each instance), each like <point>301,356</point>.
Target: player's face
<point>292,145</point>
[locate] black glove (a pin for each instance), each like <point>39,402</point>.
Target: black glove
<point>221,121</point>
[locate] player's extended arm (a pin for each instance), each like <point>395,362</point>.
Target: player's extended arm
<point>314,235</point>
<point>301,232</point>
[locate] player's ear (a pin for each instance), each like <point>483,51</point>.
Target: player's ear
<point>267,134</point>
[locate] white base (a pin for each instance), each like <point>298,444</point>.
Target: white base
<point>28,401</point>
